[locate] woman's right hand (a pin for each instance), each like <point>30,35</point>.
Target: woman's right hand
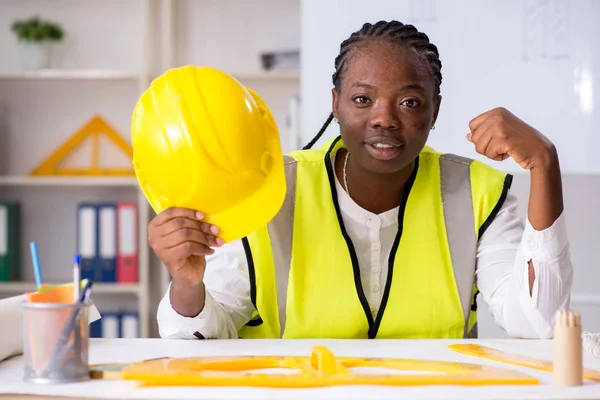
<point>181,240</point>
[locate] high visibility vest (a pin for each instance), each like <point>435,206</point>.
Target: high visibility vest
<point>304,273</point>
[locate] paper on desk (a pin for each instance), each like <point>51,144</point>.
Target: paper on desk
<point>11,325</point>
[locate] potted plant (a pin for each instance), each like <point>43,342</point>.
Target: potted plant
<point>36,37</point>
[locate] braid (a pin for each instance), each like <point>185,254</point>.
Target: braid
<point>395,32</point>
<point>320,133</point>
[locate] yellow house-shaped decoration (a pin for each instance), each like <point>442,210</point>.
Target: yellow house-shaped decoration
<point>93,129</point>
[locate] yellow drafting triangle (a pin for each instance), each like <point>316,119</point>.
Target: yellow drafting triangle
<point>321,368</point>
<point>94,128</point>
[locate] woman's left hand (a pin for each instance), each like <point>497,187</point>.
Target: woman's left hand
<point>499,134</point>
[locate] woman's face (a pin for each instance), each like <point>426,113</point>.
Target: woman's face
<point>386,105</point>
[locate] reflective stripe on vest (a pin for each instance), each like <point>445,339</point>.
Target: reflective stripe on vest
<point>458,216</point>
<point>462,240</point>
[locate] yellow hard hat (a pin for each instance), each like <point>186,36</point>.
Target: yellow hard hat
<point>203,141</point>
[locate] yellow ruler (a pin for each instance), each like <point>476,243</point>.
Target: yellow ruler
<point>321,368</point>
<point>111,371</point>
<point>515,359</point>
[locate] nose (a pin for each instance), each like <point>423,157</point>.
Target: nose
<point>384,116</point>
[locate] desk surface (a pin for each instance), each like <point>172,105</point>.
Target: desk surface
<point>131,350</point>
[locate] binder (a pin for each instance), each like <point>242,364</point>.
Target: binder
<point>110,325</point>
<point>107,242</point>
<point>10,241</point>
<point>129,325</point>
<point>87,233</point>
<point>127,242</point>
<point>96,328</point>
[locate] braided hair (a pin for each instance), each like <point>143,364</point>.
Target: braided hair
<point>394,32</point>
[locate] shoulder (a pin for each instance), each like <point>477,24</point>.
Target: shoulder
<point>310,161</point>
<point>478,171</point>
<point>489,186</point>
<point>316,155</point>
<point>304,156</point>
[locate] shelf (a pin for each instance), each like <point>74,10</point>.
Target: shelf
<point>281,75</point>
<point>82,74</point>
<point>83,181</point>
<point>278,75</point>
<point>22,287</point>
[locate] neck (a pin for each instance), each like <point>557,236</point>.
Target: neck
<point>374,192</point>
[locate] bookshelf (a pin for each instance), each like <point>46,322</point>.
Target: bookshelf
<point>68,181</point>
<point>34,123</point>
<point>273,76</point>
<point>100,71</point>
<point>74,74</point>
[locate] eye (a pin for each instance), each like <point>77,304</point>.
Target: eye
<point>361,100</point>
<point>412,103</point>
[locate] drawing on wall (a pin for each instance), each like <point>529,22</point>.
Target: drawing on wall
<point>422,11</point>
<point>545,29</point>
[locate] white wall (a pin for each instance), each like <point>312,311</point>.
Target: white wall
<point>492,55</point>
<point>538,58</point>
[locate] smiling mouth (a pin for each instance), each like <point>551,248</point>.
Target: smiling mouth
<point>383,148</point>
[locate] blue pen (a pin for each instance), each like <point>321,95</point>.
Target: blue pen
<point>76,277</point>
<point>36,264</point>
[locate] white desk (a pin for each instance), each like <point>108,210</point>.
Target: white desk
<point>131,350</point>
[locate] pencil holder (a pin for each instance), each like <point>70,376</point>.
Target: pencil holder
<point>55,342</point>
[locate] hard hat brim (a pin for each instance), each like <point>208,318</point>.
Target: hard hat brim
<point>254,212</point>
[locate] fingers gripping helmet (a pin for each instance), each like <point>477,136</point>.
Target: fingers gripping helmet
<point>203,141</point>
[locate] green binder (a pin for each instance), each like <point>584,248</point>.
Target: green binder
<point>10,241</point>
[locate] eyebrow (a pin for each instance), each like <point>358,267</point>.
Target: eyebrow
<point>367,86</point>
<point>362,85</point>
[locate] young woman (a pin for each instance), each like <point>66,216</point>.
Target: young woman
<point>381,236</point>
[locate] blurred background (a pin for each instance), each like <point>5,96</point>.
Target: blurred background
<point>72,70</point>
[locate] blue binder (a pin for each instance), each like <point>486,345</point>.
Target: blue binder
<point>96,329</point>
<point>87,240</point>
<point>107,242</point>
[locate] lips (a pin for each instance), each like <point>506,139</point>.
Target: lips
<point>383,140</point>
<point>383,148</point>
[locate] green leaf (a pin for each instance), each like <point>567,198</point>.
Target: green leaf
<point>35,29</point>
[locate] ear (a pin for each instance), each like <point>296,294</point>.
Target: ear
<point>335,96</point>
<point>436,109</point>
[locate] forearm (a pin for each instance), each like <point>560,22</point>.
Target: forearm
<point>545,194</point>
<point>217,309</point>
<point>531,314</point>
<point>545,199</point>
<point>504,288</point>
<point>213,322</point>
<point>187,300</point>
